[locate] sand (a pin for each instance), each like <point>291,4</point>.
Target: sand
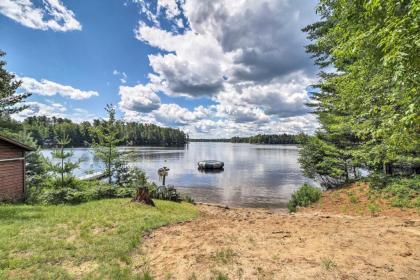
<point>314,243</point>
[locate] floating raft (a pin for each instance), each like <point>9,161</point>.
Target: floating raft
<point>210,164</point>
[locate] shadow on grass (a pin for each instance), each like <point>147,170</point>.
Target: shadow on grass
<point>11,212</point>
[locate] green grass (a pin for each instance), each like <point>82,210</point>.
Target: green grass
<point>328,264</point>
<point>224,256</point>
<point>90,241</point>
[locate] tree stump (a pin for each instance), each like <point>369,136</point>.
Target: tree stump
<point>143,196</point>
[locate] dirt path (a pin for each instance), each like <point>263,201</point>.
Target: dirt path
<point>259,244</point>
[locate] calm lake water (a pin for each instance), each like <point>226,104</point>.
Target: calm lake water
<point>254,175</point>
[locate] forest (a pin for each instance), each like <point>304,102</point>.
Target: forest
<point>260,139</point>
<point>270,139</point>
<point>368,94</point>
<point>47,130</point>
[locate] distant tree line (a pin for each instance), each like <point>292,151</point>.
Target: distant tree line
<point>260,139</point>
<point>270,139</point>
<point>47,130</point>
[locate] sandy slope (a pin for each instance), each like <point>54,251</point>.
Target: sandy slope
<point>259,244</point>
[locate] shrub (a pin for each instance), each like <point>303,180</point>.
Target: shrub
<point>378,181</point>
<point>58,196</point>
<point>374,209</point>
<point>188,199</point>
<point>403,191</point>
<point>304,196</point>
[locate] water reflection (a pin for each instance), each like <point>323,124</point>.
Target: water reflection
<point>210,171</point>
<point>253,175</point>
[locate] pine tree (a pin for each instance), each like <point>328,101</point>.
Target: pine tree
<point>367,107</point>
<point>9,99</point>
<point>107,140</point>
<point>63,167</point>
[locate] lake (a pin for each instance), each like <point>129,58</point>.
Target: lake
<point>254,175</point>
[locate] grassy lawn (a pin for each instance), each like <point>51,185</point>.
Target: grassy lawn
<point>89,241</point>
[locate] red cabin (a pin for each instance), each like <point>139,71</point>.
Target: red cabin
<point>12,169</point>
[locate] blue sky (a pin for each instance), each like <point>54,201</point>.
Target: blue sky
<point>211,68</point>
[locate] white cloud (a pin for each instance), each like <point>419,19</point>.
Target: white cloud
<point>41,109</point>
<point>283,97</point>
<point>53,109</point>
<point>122,75</point>
<point>175,115</point>
<point>49,88</point>
<point>247,56</point>
<point>140,98</point>
<point>51,15</point>
<point>194,66</point>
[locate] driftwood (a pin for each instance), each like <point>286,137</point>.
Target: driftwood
<point>143,196</point>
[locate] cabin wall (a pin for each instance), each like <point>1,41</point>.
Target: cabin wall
<point>12,172</point>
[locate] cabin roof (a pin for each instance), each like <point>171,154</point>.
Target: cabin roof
<point>16,143</point>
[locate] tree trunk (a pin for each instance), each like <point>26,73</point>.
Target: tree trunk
<point>387,168</point>
<point>347,171</point>
<point>109,165</point>
<point>143,196</point>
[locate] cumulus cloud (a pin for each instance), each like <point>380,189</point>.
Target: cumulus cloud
<point>140,98</point>
<point>175,115</point>
<point>53,109</point>
<point>283,97</point>
<point>52,14</point>
<point>49,88</point>
<point>41,109</point>
<point>247,56</point>
<point>193,66</point>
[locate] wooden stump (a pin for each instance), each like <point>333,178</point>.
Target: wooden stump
<point>143,196</point>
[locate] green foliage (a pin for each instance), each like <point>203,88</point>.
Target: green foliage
<point>167,193</point>
<point>35,162</point>
<point>61,166</point>
<point>368,107</point>
<point>304,196</point>
<point>328,264</point>
<point>323,161</point>
<point>353,198</point>
<point>131,177</point>
<point>100,236</point>
<point>46,130</point>
<point>402,191</point>
<point>373,209</point>
<point>188,199</point>
<point>270,139</point>
<point>105,147</point>
<point>224,256</point>
<point>217,275</point>
<point>9,99</point>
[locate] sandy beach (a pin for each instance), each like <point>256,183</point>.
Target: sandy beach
<point>240,243</point>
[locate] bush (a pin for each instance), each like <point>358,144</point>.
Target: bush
<point>304,196</point>
<point>378,181</point>
<point>49,190</point>
<point>59,196</point>
<point>374,209</point>
<point>402,191</point>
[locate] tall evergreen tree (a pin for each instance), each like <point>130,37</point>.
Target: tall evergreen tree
<point>61,166</point>
<point>107,140</point>
<point>367,106</point>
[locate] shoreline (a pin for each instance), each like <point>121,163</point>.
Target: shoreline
<point>258,243</point>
